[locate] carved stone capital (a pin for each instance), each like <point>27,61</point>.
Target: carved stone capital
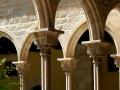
<point>68,64</point>
<point>96,48</point>
<point>46,51</point>
<point>116,57</point>
<point>46,37</point>
<point>20,65</point>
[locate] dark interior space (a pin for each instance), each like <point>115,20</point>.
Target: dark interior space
<point>6,46</point>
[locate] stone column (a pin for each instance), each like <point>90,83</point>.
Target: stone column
<point>95,73</point>
<point>45,39</point>
<point>20,68</point>
<point>45,69</point>
<point>68,64</point>
<point>95,50</point>
<point>117,62</point>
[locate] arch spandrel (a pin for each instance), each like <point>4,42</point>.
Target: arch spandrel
<point>69,12</point>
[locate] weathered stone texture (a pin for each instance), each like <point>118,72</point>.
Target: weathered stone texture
<point>66,19</point>
<point>69,12</point>
<point>14,12</point>
<point>15,8</point>
<point>66,4</point>
<point>16,20</point>
<point>17,16</point>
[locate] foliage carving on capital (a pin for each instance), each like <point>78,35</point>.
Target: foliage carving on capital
<point>20,66</point>
<point>96,48</point>
<point>68,64</point>
<point>46,37</point>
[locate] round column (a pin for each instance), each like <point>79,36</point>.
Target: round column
<point>96,50</point>
<point>45,69</point>
<point>68,64</point>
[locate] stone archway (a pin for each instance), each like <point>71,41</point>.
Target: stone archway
<point>72,38</point>
<point>33,60</point>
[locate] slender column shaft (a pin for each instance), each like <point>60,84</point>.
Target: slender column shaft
<point>68,65</point>
<point>45,39</point>
<point>96,75</point>
<point>45,71</point>
<point>21,82</point>
<point>20,68</point>
<point>92,78</point>
<point>68,81</point>
<point>96,49</point>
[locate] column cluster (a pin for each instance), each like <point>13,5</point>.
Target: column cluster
<point>45,39</point>
<point>68,64</point>
<point>20,65</point>
<point>96,50</point>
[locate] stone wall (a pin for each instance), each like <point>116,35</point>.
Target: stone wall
<point>16,11</point>
<point>19,16</point>
<point>15,8</point>
<point>69,13</point>
<point>13,12</point>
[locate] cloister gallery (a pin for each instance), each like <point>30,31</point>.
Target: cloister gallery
<point>62,44</point>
